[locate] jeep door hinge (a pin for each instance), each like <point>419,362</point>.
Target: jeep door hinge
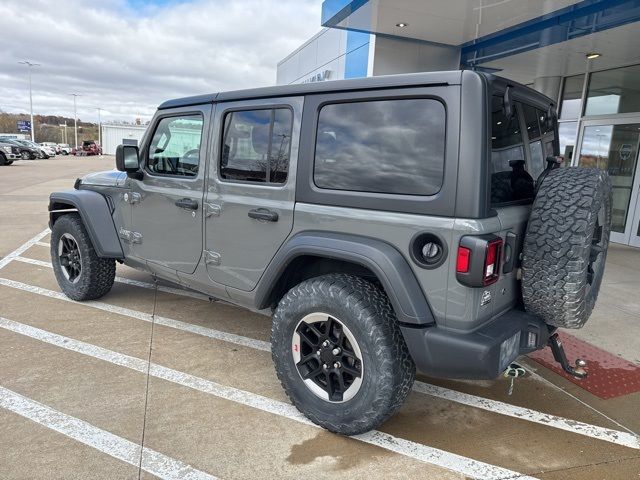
<point>130,237</point>
<point>131,197</point>
<point>212,210</point>
<point>211,258</point>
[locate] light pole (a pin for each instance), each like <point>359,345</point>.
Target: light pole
<point>63,130</point>
<point>75,116</point>
<point>29,65</point>
<point>99,127</point>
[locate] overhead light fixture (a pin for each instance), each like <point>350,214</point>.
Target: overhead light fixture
<point>593,55</point>
<point>402,24</point>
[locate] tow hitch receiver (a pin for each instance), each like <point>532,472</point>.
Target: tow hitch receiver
<point>561,357</point>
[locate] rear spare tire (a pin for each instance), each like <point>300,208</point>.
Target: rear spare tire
<point>565,246</point>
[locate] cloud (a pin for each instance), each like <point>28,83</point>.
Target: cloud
<point>127,57</point>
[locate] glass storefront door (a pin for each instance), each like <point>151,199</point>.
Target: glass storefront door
<point>613,145</point>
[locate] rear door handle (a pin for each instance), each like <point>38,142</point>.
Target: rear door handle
<point>187,204</point>
<point>263,214</point>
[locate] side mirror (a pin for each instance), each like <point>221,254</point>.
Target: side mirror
<point>507,103</point>
<point>127,159</point>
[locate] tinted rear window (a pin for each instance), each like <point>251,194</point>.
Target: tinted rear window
<point>382,146</point>
<point>510,180</point>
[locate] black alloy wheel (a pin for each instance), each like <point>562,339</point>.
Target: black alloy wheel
<point>69,255</point>
<point>327,357</point>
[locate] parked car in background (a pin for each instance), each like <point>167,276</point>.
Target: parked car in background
<point>8,153</point>
<point>26,152</point>
<point>40,151</point>
<point>65,148</point>
<point>89,147</point>
<point>52,145</point>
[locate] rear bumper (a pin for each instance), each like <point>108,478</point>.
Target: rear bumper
<point>482,354</point>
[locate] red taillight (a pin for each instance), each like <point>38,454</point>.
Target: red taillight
<point>492,262</point>
<point>464,259</point>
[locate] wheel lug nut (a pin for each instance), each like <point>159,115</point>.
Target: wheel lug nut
<point>336,351</point>
<point>318,352</point>
<point>337,365</point>
<point>325,343</point>
<point>325,366</point>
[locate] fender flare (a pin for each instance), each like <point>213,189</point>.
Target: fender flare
<point>96,217</point>
<point>385,261</point>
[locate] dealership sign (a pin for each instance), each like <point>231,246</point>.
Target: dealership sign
<point>625,152</point>
<point>318,77</point>
<point>24,125</point>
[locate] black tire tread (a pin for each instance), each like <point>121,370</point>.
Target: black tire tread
<point>384,339</point>
<point>98,274</point>
<point>557,245</point>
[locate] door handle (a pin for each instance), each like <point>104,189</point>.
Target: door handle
<point>263,214</point>
<point>187,204</point>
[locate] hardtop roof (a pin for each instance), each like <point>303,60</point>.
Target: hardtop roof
<point>383,81</point>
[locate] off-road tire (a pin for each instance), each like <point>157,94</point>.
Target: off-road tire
<point>97,274</point>
<point>388,369</point>
<point>570,214</point>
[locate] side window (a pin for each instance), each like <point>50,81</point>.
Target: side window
<point>175,146</point>
<point>510,181</point>
<point>385,146</point>
<point>534,118</point>
<point>256,145</point>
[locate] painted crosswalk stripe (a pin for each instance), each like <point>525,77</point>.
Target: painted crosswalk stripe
<point>625,439</point>
<point>125,450</point>
<point>457,463</point>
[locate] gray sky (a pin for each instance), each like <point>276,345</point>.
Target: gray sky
<point>127,56</point>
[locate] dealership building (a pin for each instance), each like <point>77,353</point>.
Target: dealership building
<point>584,54</point>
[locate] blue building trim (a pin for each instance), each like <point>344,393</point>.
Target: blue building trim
<point>335,11</point>
<point>582,18</point>
<point>356,60</point>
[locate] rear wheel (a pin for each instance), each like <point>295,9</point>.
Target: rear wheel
<point>25,155</point>
<point>81,274</point>
<point>565,246</point>
<point>339,353</point>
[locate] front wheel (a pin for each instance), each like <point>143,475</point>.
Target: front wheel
<point>25,155</point>
<point>339,353</point>
<point>81,274</point>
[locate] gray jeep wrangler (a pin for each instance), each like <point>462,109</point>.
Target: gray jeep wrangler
<point>387,223</point>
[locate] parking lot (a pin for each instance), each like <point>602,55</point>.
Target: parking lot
<point>155,381</point>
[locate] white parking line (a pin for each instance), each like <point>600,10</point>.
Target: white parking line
<point>625,439</point>
<point>601,433</point>
<point>127,281</point>
<point>146,317</point>
<point>153,462</point>
<point>450,461</point>
<point>22,248</point>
